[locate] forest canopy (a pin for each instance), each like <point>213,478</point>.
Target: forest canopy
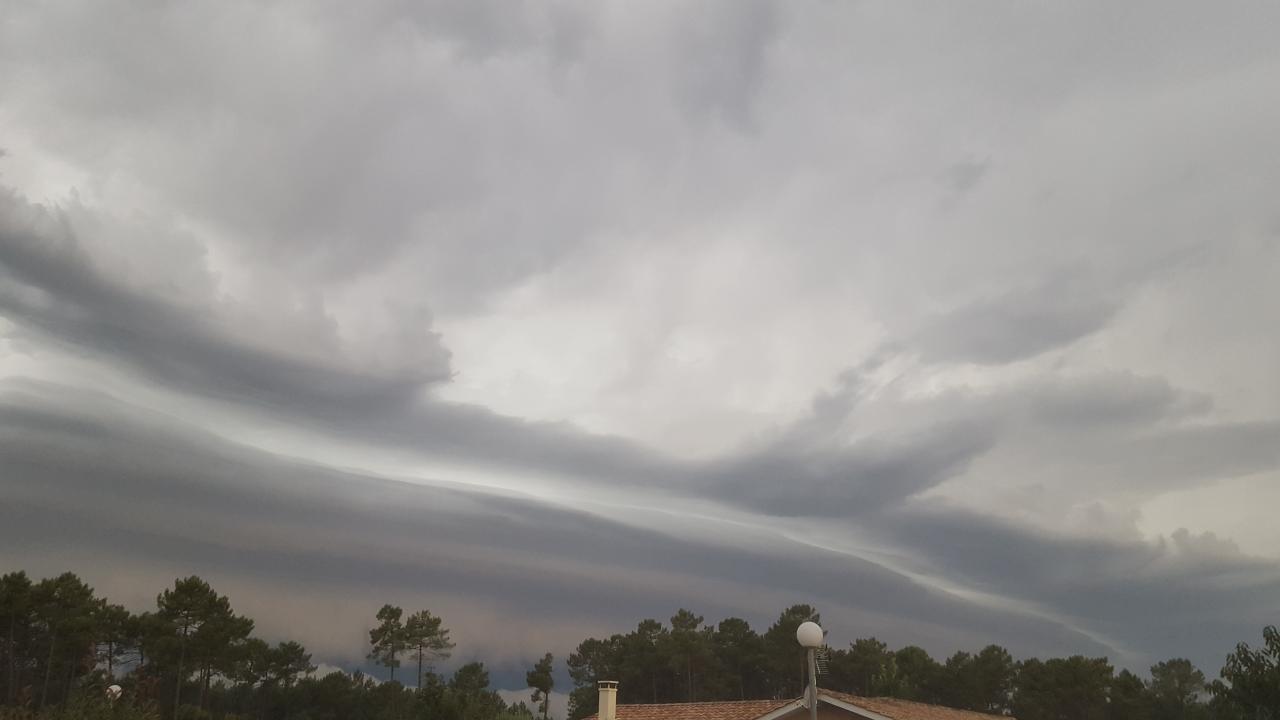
<point>193,656</point>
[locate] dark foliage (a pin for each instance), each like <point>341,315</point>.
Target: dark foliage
<point>61,646</point>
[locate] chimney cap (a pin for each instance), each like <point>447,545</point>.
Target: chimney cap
<point>606,684</point>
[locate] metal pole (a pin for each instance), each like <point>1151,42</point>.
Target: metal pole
<point>813,684</point>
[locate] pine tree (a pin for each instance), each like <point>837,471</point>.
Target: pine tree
<point>15,614</point>
<point>541,680</point>
<point>425,635</point>
<point>201,630</point>
<point>388,639</point>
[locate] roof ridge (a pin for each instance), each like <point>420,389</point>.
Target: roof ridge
<point>890,708</point>
<point>705,702</point>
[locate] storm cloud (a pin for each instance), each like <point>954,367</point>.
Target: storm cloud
<point>955,322</point>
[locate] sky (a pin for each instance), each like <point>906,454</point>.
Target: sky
<point>956,321</point>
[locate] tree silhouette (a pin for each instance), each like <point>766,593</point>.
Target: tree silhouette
<point>388,638</point>
<point>541,680</point>
<point>426,636</point>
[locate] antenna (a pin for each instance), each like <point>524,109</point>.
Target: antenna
<point>823,657</point>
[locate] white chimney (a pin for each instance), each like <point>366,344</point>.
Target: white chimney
<point>608,700</point>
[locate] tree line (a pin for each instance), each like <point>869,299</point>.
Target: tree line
<point>690,660</point>
<point>194,657</point>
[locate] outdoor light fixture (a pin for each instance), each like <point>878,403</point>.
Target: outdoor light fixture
<point>809,635</point>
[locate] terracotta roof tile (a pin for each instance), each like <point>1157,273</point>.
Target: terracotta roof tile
<point>730,710</point>
<point>892,708</point>
<point>908,710</point>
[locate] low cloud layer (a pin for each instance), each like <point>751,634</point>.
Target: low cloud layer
<point>956,324</point>
<point>122,485</point>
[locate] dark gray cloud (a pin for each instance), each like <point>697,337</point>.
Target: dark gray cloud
<point>52,287</point>
<point>818,465</point>
<point>927,316</point>
<point>1108,400</point>
<point>800,479</point>
<point>725,52</point>
<point>86,472</point>
<point>89,475</point>
<point>1016,325</point>
<point>1180,594</point>
<point>806,470</point>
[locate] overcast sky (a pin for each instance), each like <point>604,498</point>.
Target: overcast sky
<point>957,321</point>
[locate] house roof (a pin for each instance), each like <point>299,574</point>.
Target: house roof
<point>890,708</point>
<point>907,709</point>
<point>727,710</point>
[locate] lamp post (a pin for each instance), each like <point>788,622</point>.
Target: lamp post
<point>809,635</point>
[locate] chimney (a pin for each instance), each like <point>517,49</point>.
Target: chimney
<point>608,700</point>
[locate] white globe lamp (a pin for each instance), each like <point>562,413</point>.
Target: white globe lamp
<point>809,635</point>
